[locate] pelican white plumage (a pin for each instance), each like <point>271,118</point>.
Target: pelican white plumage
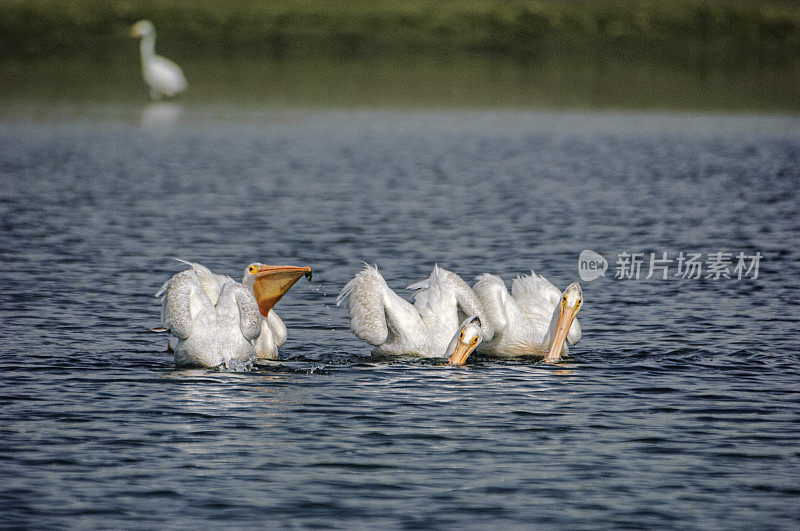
<point>534,319</point>
<point>164,78</point>
<point>215,320</point>
<point>431,327</point>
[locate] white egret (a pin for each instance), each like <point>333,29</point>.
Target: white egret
<point>164,78</point>
<point>534,319</point>
<point>215,320</point>
<point>431,327</point>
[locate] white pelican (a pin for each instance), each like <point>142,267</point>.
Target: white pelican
<point>164,77</point>
<point>428,328</point>
<point>215,319</point>
<point>534,319</point>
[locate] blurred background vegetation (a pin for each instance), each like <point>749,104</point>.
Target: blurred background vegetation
<point>725,28</point>
<point>707,55</point>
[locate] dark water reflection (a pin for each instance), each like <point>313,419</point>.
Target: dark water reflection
<point>600,81</point>
<point>679,408</point>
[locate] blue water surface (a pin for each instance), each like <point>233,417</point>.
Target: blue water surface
<point>680,407</point>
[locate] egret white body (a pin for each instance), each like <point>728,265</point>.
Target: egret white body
<point>535,318</point>
<point>163,77</point>
<point>446,319</point>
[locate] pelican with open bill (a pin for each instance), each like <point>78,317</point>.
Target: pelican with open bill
<point>272,282</point>
<point>214,320</point>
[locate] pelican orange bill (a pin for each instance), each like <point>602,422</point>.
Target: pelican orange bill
<point>565,319</point>
<point>272,283</point>
<point>461,353</point>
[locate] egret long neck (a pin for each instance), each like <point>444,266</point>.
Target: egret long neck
<point>147,46</point>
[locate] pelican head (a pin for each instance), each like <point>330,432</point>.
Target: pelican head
<point>466,340</point>
<point>571,302</point>
<point>269,283</point>
<point>142,28</point>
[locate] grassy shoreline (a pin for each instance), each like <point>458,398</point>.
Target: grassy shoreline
<point>735,28</point>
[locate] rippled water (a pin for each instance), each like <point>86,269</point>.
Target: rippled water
<point>679,408</point>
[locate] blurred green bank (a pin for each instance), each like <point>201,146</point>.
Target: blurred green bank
<point>670,55</point>
<point>729,28</point>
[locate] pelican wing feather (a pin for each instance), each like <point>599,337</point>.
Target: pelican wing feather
<point>538,298</point>
<point>434,300</point>
<point>364,300</point>
<point>438,293</point>
<point>210,283</point>
<point>249,316</point>
<point>377,314</point>
<point>184,299</point>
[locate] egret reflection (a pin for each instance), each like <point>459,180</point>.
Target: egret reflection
<point>161,115</point>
